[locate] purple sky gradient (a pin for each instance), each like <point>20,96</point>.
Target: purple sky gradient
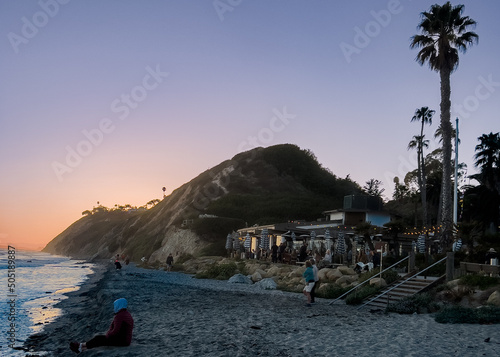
<point>231,75</point>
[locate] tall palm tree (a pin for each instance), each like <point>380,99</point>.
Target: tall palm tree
<point>443,33</point>
<point>424,116</point>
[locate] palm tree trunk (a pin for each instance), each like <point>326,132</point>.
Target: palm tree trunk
<point>423,192</point>
<point>423,183</point>
<point>446,212</point>
<point>419,167</point>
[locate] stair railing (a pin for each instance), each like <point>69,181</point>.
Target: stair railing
<point>367,280</point>
<point>401,283</point>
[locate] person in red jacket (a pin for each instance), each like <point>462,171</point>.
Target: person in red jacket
<point>119,333</point>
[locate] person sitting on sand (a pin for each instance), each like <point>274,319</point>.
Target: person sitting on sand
<point>309,277</point>
<point>119,333</point>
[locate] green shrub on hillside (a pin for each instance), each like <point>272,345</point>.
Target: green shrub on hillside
<point>216,227</point>
<point>483,282</point>
<point>358,295</point>
<point>389,276</point>
<point>218,271</point>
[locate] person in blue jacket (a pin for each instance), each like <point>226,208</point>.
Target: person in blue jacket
<point>309,278</point>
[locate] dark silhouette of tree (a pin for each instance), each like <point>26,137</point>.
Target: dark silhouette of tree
<point>488,161</point>
<point>424,116</point>
<point>443,33</point>
<point>372,188</point>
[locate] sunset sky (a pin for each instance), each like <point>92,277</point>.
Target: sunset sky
<point>112,100</point>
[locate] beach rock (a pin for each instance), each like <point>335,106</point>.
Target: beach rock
<point>295,281</point>
<point>240,279</point>
<point>378,282</point>
<point>351,278</point>
<point>256,277</point>
<point>251,268</point>
<point>297,272</point>
<point>494,298</point>
<point>267,284</point>
<point>274,271</point>
<point>343,280</point>
<point>323,273</point>
<point>262,273</point>
<point>334,274</point>
<point>346,270</point>
<point>453,283</point>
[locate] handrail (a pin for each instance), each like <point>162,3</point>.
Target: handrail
<point>367,280</point>
<point>401,283</point>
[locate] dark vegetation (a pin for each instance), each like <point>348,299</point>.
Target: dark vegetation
<point>218,271</point>
<point>463,315</point>
<point>287,183</point>
<point>358,295</point>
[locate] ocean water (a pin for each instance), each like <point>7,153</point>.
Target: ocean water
<point>29,292</point>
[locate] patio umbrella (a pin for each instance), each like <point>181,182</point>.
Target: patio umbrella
<point>248,241</point>
<point>311,242</point>
<point>264,239</point>
<point>328,239</point>
<point>294,240</point>
<point>340,248</point>
<point>236,243</point>
<point>457,245</point>
<point>229,241</point>
<point>421,243</point>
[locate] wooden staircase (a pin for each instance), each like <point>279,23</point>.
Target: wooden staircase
<point>408,288</point>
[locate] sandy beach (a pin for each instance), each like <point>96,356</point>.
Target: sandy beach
<point>177,315</point>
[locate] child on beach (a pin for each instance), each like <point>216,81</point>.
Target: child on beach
<point>309,277</point>
<point>119,333</point>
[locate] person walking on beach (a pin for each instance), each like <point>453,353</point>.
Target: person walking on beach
<point>170,262</point>
<point>119,333</point>
<point>309,278</point>
<point>316,279</point>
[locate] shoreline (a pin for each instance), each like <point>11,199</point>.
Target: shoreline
<point>87,289</point>
<point>176,314</point>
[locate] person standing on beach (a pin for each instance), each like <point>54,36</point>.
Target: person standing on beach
<point>303,252</point>
<point>274,253</point>
<point>170,262</point>
<point>119,333</point>
<point>309,277</point>
<point>316,279</point>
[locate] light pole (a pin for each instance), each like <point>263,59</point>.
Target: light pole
<point>455,191</point>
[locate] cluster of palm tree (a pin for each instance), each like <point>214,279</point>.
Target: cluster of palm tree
<point>444,32</point>
<point>424,116</point>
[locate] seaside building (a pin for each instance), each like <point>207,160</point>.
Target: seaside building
<point>356,210</point>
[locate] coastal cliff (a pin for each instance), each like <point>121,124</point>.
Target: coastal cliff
<point>260,186</point>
